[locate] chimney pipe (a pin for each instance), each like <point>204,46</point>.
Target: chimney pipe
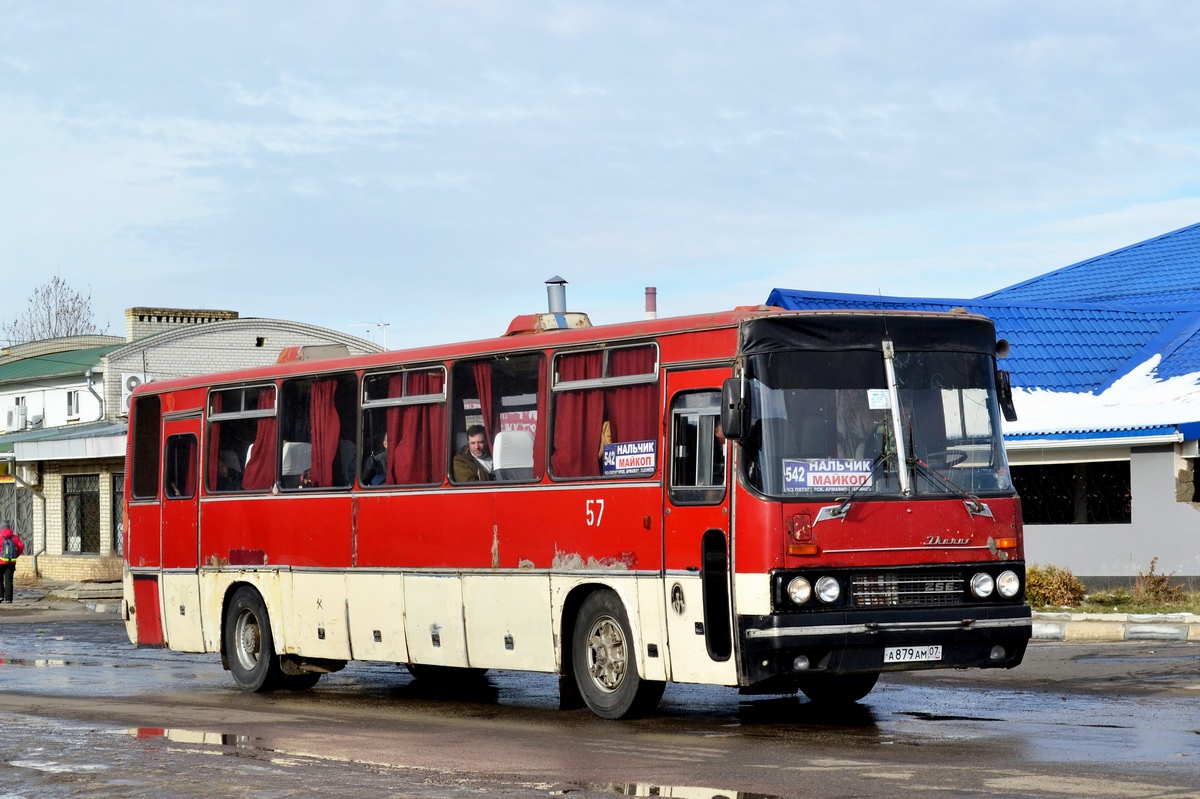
<point>556,294</point>
<point>651,302</point>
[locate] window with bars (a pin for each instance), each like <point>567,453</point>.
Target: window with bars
<point>118,511</point>
<point>81,513</point>
<point>1075,493</point>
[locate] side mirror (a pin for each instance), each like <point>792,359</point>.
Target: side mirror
<point>733,409</point>
<point>1005,396</point>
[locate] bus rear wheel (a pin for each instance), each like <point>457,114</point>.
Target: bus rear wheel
<point>249,646</point>
<point>605,663</point>
<point>838,689</point>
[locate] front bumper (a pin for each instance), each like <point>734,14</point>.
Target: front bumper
<point>841,642</point>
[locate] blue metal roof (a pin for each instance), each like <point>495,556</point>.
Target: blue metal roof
<point>1081,328</point>
<point>1159,272</point>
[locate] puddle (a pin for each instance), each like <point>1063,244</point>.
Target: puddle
<point>674,791</point>
<point>37,663</point>
<point>199,738</point>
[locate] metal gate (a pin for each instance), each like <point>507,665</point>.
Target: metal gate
<point>16,510</point>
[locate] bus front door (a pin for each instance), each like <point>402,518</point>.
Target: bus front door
<point>179,583</point>
<point>696,532</point>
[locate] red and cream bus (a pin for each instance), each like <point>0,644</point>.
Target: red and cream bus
<point>769,500</point>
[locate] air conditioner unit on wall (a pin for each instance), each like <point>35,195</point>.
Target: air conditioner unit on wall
<point>14,418</point>
<point>130,381</point>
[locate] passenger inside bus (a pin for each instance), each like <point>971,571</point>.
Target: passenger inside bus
<point>374,468</point>
<point>473,463</point>
<point>229,471</point>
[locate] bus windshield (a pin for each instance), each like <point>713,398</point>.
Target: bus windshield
<point>822,425</point>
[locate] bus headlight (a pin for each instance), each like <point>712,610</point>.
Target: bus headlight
<point>1008,584</point>
<point>799,590</point>
<point>828,590</point>
<point>982,585</point>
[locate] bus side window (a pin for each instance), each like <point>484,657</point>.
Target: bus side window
<point>179,476</point>
<point>241,433</point>
<point>499,398</point>
<point>404,428</point>
<point>147,436</point>
<point>606,413</point>
<point>316,420</point>
<point>697,449</point>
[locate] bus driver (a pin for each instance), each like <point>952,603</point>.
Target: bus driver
<point>473,463</point>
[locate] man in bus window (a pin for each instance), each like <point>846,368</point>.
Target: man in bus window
<point>473,463</point>
<point>374,470</point>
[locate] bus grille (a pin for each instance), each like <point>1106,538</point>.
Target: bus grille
<point>891,589</point>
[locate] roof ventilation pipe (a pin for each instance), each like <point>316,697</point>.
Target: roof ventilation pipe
<point>559,318</point>
<point>651,302</point>
<point>556,294</point>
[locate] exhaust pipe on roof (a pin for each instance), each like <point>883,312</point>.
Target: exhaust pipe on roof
<point>559,318</point>
<point>556,294</point>
<point>651,302</point>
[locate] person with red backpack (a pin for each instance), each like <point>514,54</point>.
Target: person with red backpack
<point>11,547</point>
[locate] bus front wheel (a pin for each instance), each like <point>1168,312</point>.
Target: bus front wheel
<point>249,646</point>
<point>605,664</point>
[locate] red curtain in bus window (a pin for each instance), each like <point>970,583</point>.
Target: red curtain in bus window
<point>260,471</point>
<point>214,443</point>
<point>632,410</point>
<point>578,417</point>
<point>420,456</point>
<point>395,391</point>
<point>326,428</point>
<point>483,386</point>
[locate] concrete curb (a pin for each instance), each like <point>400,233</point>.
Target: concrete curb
<point>1103,627</point>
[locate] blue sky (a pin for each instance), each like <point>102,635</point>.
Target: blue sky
<point>431,164</point>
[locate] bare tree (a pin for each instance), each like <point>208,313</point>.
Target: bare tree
<point>53,310</point>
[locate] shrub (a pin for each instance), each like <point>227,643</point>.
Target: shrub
<point>1052,585</point>
<point>1156,588</point>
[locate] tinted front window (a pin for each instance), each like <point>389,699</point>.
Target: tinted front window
<point>821,424</point>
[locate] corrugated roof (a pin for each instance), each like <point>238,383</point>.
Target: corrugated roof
<point>59,364</point>
<point>88,430</point>
<point>1159,272</point>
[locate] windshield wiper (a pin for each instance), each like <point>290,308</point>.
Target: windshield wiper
<point>974,506</point>
<point>840,510</point>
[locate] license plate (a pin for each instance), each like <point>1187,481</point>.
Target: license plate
<point>912,654</point>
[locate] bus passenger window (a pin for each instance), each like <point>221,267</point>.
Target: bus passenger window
<point>179,476</point>
<point>404,428</point>
<point>316,420</point>
<point>606,414</point>
<point>241,435</point>
<point>496,420</point>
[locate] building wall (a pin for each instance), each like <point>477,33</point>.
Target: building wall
<point>1162,527</point>
<point>47,539</point>
<point>213,347</point>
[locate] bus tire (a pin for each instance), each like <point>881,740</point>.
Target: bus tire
<point>605,662</point>
<point>249,645</point>
<point>838,689</point>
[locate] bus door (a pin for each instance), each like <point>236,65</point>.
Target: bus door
<point>180,587</point>
<point>696,531</point>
